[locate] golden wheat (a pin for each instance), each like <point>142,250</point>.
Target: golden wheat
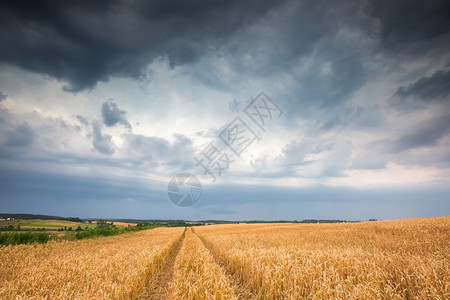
<point>197,275</point>
<point>373,260</point>
<point>404,259</point>
<point>115,267</point>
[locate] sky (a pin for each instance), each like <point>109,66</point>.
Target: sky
<point>282,110</point>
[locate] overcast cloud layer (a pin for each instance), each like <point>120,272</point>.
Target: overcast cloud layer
<point>102,102</point>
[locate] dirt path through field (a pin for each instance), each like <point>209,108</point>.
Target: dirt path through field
<point>158,286</point>
<point>241,288</point>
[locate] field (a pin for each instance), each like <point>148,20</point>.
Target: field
<point>49,225</point>
<point>402,259</point>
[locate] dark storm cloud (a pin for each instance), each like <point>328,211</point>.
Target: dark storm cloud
<point>22,136</point>
<point>426,133</point>
<point>410,25</point>
<point>102,142</point>
<point>84,42</point>
<point>2,96</point>
<point>428,88</point>
<point>311,41</point>
<point>112,115</point>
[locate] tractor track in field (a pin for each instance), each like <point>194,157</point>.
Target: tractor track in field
<point>242,289</point>
<point>157,287</point>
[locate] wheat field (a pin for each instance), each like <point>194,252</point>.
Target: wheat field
<point>197,275</point>
<point>115,267</point>
<point>400,259</point>
<point>374,260</point>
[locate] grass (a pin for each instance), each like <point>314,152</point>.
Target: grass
<point>28,237</point>
<point>16,238</point>
<point>109,232</point>
<point>53,224</point>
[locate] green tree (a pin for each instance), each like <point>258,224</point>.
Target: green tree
<point>102,224</point>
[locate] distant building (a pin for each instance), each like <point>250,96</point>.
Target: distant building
<point>9,219</point>
<point>2,220</point>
